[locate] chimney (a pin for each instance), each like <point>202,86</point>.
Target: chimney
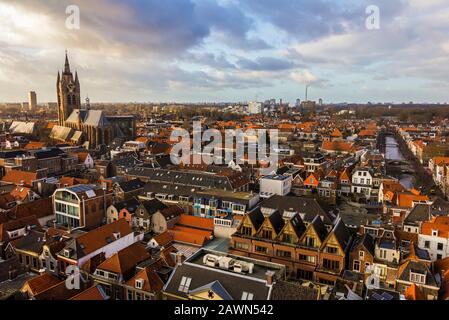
<point>12,274</point>
<point>179,258</point>
<point>269,277</point>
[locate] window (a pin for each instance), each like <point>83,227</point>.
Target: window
<point>112,276</point>
<point>417,278</point>
<point>361,254</point>
<point>427,244</point>
<point>439,256</point>
<point>310,259</point>
<point>331,264</point>
<point>184,286</point>
<point>267,234</point>
<point>283,254</point>
<point>303,274</point>
<point>356,266</point>
<point>310,242</point>
<point>332,250</point>
<point>130,295</point>
<point>440,247</point>
<point>261,249</point>
<point>242,246</point>
<point>287,238</point>
<point>247,231</point>
<point>435,233</point>
<point>247,296</point>
<point>139,284</point>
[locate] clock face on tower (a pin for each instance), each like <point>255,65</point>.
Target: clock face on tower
<point>71,87</point>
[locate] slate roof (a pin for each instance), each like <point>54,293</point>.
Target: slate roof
<point>256,218</point>
<point>153,206</point>
<point>131,185</point>
<point>169,188</point>
<point>320,228</point>
<point>283,290</point>
<point>94,118</point>
<point>33,242</point>
<point>307,208</point>
<point>342,234</point>
<point>422,212</point>
<point>202,276</point>
<point>187,178</point>
<point>418,267</point>
<point>215,287</point>
<point>366,241</point>
<point>276,221</point>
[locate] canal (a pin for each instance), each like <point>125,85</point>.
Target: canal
<point>392,152</point>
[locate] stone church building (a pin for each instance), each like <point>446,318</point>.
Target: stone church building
<point>78,124</point>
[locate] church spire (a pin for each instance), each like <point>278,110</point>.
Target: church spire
<point>67,64</point>
<point>76,78</point>
<point>58,80</point>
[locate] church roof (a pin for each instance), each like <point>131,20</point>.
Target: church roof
<point>94,118</point>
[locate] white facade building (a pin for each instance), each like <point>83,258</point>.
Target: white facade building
<point>280,185</point>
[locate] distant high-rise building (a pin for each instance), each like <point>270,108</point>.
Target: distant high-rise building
<point>298,103</point>
<point>255,108</point>
<point>32,100</point>
<point>320,102</point>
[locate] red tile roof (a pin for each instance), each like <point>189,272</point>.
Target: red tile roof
<point>196,222</point>
<point>94,293</point>
<point>440,223</point>
<point>151,281</point>
<point>20,177</point>
<point>125,260</point>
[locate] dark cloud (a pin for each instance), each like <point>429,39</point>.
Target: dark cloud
<point>266,64</point>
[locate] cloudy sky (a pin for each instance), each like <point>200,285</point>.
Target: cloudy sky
<point>228,50</point>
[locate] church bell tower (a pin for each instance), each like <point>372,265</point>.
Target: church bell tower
<point>69,93</point>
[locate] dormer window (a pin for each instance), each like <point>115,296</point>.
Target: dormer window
<point>435,233</point>
<point>139,284</point>
<point>185,284</point>
<point>67,252</point>
<point>247,296</point>
<point>117,235</point>
<point>417,277</point>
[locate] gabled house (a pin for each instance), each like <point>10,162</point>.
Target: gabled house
<point>362,253</point>
<point>128,189</point>
<point>415,272</point>
<point>145,285</point>
<point>119,268</point>
<point>107,240</point>
<point>209,275</point>
<point>165,219</point>
<point>145,211</point>
<point>333,253</point>
<point>309,246</point>
<point>313,180</point>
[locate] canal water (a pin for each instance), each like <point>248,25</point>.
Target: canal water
<point>392,152</point>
